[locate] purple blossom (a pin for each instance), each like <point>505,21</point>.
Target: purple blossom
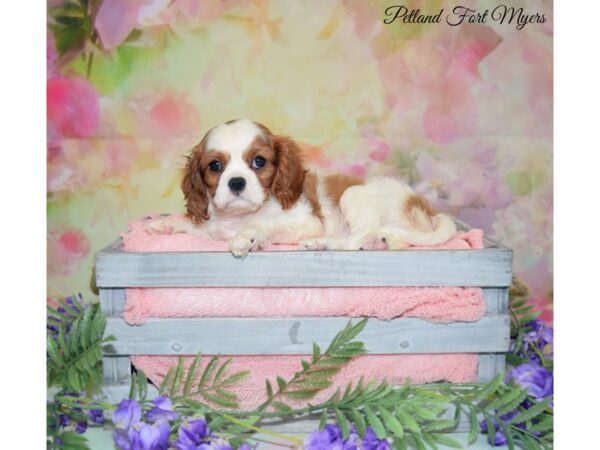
<point>193,432</point>
<point>127,413</point>
<point>163,410</point>
<point>71,313</point>
<point>96,416</point>
<point>371,442</point>
<point>330,438</point>
<point>143,436</point>
<point>536,380</point>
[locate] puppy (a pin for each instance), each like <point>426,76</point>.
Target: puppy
<point>246,185</point>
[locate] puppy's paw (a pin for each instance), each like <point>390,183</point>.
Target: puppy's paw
<point>163,226</point>
<point>240,246</point>
<point>389,241</point>
<point>374,242</point>
<point>313,244</point>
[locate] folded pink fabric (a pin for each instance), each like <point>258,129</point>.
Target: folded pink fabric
<point>442,304</point>
<point>419,368</point>
<point>438,304</point>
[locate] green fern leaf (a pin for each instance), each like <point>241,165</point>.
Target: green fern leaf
<point>407,421</point>
<point>359,422</point>
<point>177,377</point>
<point>208,371</point>
<point>392,423</point>
<point>235,378</point>
<point>547,423</point>
<point>281,384</point>
<point>305,394</point>
<point>342,423</point>
<point>445,440</point>
<point>532,412</point>
<point>222,370</point>
<point>192,375</point>
<point>375,422</point>
<point>323,420</point>
<point>269,389</point>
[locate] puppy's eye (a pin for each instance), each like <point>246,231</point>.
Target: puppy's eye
<point>258,162</point>
<point>215,166</point>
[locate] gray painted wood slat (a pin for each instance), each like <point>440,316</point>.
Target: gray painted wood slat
<point>496,300</point>
<point>112,301</point>
<point>484,268</point>
<point>274,336</point>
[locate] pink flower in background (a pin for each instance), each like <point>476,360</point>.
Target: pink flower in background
<point>73,109</point>
<point>66,250</point>
<point>115,20</point>
<point>173,115</point>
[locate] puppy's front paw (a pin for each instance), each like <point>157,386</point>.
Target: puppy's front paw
<point>240,246</point>
<point>163,226</point>
<point>388,240</point>
<point>374,242</point>
<point>313,244</point>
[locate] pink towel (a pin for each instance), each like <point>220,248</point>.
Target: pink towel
<point>437,304</point>
<point>419,368</point>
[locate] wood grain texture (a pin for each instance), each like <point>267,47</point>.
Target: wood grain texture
<point>485,268</point>
<point>281,336</point>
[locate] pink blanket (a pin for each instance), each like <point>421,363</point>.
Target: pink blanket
<point>442,304</point>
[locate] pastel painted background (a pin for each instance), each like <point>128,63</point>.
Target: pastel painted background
<point>463,113</point>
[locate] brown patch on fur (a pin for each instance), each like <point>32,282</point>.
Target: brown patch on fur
<point>290,172</point>
<point>260,146</point>
<point>336,184</point>
<point>199,181</point>
<point>419,212</point>
<point>310,192</point>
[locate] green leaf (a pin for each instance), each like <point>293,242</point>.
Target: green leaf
<point>444,439</point>
<point>375,422</point>
<point>491,431</point>
<point>192,374</point>
<point>269,389</point>
<point>359,422</point>
<point>219,400</point>
<point>235,378</point>
<point>281,383</point>
<point>474,428</point>
<point>408,421</point>
<point>222,370</point>
<point>305,365</point>
<point>532,412</point>
<point>489,389</point>
<point>316,354</point>
<point>547,423</point>
<point>342,422</point>
<point>323,420</point>
<point>280,406</point>
<point>175,384</point>
<point>208,371</point>
<point>305,394</point>
<point>392,423</point>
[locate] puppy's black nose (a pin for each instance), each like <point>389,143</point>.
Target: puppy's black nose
<point>237,184</point>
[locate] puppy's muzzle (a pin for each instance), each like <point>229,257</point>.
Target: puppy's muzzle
<point>237,185</point>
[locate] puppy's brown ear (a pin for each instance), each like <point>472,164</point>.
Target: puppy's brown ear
<point>194,191</point>
<point>289,172</point>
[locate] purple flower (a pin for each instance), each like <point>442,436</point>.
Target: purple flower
<point>499,438</point>
<point>541,336</point>
<point>163,410</point>
<point>330,438</point>
<point>127,413</point>
<point>96,416</point>
<point>193,432</point>
<point>371,442</point>
<point>536,380</point>
<point>143,436</point>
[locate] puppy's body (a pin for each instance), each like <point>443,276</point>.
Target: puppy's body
<point>248,186</point>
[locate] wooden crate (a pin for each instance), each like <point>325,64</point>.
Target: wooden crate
<point>489,268</point>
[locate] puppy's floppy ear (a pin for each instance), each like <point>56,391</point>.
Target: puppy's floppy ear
<point>289,174</point>
<point>194,191</point>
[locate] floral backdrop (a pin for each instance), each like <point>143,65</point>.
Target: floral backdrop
<point>462,113</point>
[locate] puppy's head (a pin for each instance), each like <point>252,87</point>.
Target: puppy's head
<point>237,166</point>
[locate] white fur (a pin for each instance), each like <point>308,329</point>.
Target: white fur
<point>369,216</point>
<point>235,138</point>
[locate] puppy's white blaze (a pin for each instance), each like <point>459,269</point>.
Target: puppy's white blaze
<point>235,138</point>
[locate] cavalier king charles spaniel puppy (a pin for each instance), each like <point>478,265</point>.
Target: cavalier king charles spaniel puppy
<point>246,185</point>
